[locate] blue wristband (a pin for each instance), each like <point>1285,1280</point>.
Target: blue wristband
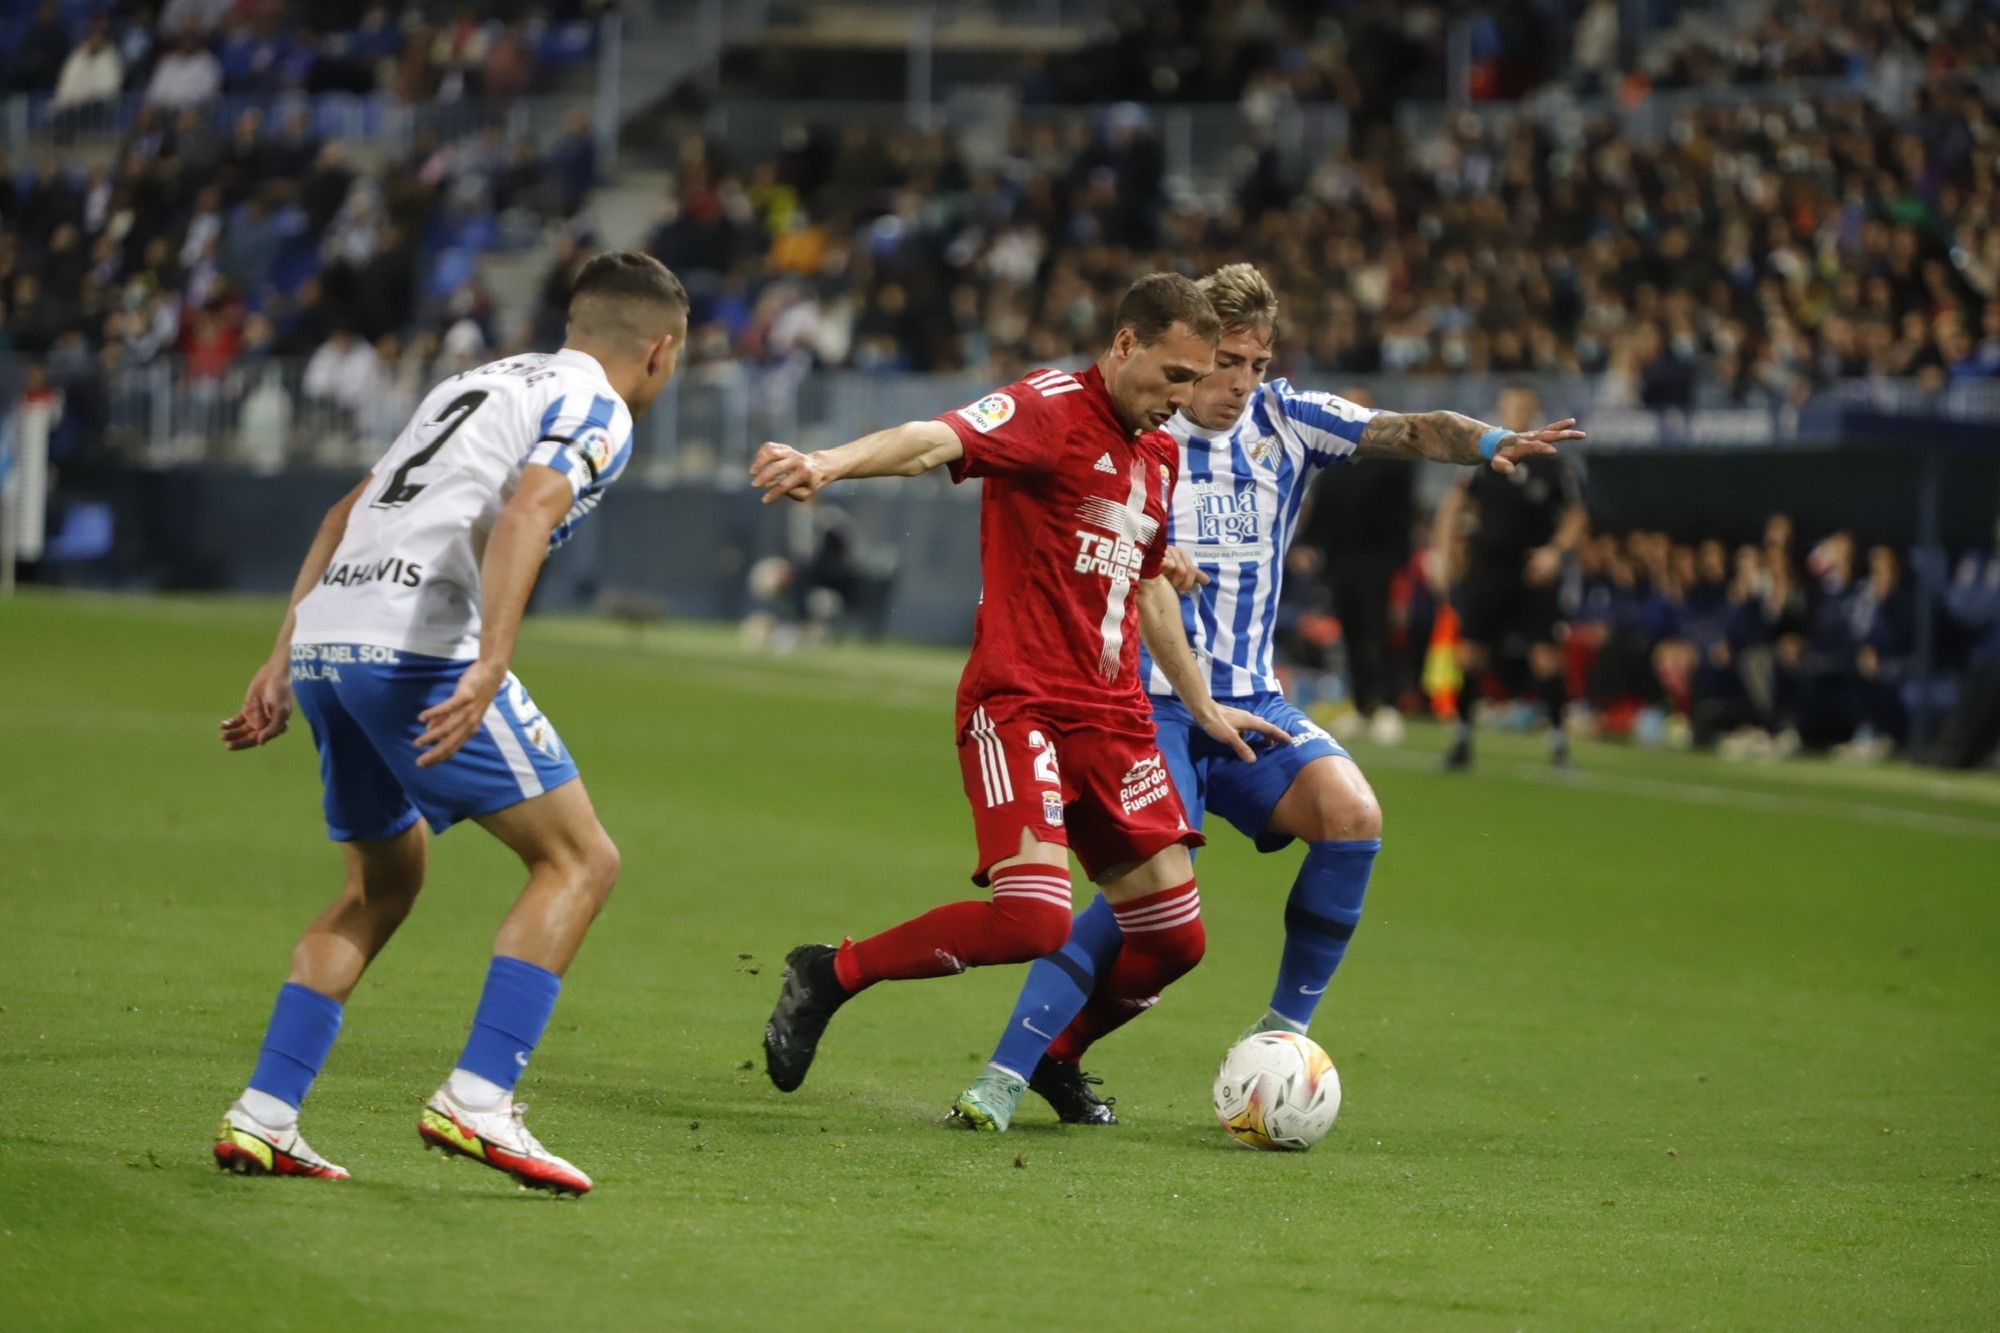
<point>1489,443</point>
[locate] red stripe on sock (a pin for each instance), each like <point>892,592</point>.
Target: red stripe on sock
<point>1165,944</point>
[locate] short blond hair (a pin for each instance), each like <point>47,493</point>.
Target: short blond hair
<point>1242,297</point>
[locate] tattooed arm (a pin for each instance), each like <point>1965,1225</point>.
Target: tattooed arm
<point>1449,437</point>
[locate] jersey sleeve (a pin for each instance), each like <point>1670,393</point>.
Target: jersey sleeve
<point>1018,429</point>
<point>1330,425</point>
<point>585,436</point>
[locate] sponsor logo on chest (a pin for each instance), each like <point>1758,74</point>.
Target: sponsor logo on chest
<point>1113,537</point>
<point>1225,515</point>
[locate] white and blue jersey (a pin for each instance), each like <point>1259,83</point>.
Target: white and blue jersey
<point>406,574</point>
<point>394,620</point>
<point>1234,512</point>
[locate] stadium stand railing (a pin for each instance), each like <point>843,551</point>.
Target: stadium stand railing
<point>375,121</point>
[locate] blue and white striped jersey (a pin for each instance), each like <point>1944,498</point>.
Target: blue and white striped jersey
<point>406,574</point>
<point>1234,511</point>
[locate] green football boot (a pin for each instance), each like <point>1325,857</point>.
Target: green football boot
<point>988,1105</point>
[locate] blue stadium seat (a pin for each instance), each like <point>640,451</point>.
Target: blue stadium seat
<point>86,534</point>
<point>450,270</point>
<point>477,233</point>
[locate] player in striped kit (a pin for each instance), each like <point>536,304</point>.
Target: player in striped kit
<point>396,647</point>
<point>1248,451</point>
<point>1055,736</point>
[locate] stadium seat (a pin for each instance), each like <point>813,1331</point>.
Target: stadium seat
<point>85,534</point>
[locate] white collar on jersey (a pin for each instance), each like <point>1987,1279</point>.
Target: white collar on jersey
<point>570,356</point>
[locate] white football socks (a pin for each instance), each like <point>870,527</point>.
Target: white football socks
<point>271,1112</point>
<point>473,1092</point>
<point>1273,1021</point>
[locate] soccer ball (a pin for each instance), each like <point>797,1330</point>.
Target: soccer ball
<point>1277,1091</point>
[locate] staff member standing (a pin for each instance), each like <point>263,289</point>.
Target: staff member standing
<point>1522,525</point>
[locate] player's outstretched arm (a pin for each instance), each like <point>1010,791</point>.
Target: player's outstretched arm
<point>1166,639</point>
<point>267,704</point>
<point>1451,437</point>
<point>515,550</point>
<point>908,450</point>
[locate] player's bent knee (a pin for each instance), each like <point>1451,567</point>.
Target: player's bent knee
<point>599,865</point>
<point>1337,806</point>
<point>1357,816</point>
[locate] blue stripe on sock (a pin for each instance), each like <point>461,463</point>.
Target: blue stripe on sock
<point>513,1012</point>
<point>296,1042</point>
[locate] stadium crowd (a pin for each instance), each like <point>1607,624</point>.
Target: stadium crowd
<point>1369,54</point>
<point>1747,257</point>
<point>1761,651</point>
<point>229,250</point>
<point>191,52</point>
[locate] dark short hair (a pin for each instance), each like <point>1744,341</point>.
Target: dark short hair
<point>625,293</point>
<point>1158,301</point>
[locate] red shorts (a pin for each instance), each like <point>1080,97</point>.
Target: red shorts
<point>1104,794</point>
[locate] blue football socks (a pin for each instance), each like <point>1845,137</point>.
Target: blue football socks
<point>513,1011</point>
<point>1057,987</point>
<point>301,1032</point>
<point>1320,916</point>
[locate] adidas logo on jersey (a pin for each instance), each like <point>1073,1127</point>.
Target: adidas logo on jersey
<point>1053,383</point>
<point>1104,464</point>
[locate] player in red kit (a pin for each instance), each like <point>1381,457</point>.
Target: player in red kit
<point>1055,735</point>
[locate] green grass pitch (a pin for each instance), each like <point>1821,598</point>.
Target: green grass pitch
<point>1667,1043</point>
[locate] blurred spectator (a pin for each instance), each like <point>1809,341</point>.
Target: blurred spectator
<point>508,69</point>
<point>94,72</point>
<point>572,163</point>
<point>188,75</point>
<point>340,378</point>
<point>1972,732</point>
<point>209,340</point>
<point>40,51</point>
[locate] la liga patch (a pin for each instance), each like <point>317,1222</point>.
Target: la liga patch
<point>595,448</point>
<point>989,413</point>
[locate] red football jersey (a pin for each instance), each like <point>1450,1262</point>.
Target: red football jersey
<point>1073,516</point>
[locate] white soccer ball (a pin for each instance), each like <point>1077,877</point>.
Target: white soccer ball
<point>1277,1091</point>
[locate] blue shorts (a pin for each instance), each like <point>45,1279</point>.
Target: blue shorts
<point>363,701</point>
<point>1209,776</point>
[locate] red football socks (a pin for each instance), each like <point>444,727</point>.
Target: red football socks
<point>1028,917</point>
<point>1164,939</point>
